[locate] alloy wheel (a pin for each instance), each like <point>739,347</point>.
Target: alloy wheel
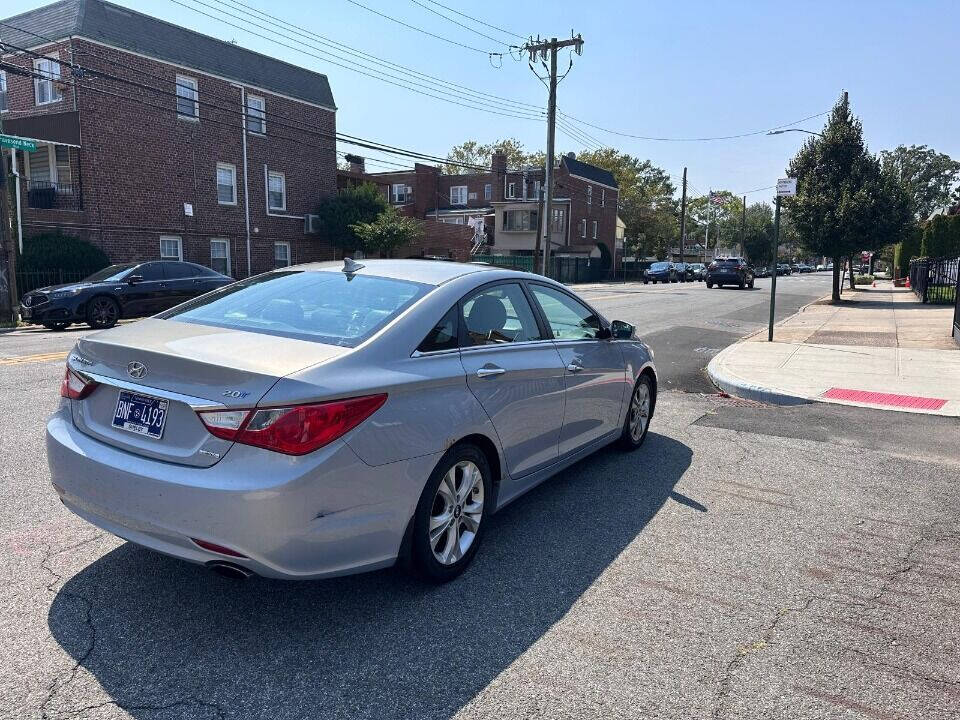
<point>456,513</point>
<point>639,411</point>
<point>104,311</point>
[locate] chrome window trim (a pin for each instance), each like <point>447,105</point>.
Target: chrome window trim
<point>195,403</point>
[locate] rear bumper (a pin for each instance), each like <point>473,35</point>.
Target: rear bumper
<point>319,515</point>
<point>716,277</point>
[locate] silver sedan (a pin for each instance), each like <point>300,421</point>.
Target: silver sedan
<point>333,418</point>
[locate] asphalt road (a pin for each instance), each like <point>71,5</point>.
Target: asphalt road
<point>746,562</point>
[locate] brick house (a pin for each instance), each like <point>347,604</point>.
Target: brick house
<point>508,201</point>
<point>154,141</point>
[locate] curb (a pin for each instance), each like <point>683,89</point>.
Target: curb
<point>738,387</point>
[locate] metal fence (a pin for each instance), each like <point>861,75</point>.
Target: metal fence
<point>32,279</point>
<point>567,270</point>
<point>936,280</point>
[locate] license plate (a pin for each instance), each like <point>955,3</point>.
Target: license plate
<point>140,414</point>
<point>26,313</point>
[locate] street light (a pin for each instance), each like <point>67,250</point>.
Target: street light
<point>780,132</point>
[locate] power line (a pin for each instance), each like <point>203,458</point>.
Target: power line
<point>421,30</point>
<point>691,139</point>
<point>457,22</point>
<point>324,40</point>
<point>477,20</point>
<point>326,57</point>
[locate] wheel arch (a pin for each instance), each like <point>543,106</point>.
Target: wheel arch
<point>101,294</point>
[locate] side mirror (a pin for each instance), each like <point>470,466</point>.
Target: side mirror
<point>621,330</point>
<point>134,279</point>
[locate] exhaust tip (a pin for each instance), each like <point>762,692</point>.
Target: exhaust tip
<point>229,570</point>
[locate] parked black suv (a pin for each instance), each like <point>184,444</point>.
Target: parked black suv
<point>119,291</point>
<point>729,271</point>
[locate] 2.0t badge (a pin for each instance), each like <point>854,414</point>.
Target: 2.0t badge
<point>136,369</point>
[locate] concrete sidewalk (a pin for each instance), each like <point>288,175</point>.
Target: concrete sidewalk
<point>881,348</point>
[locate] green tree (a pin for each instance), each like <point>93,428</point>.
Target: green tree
<point>941,237</point>
<point>389,231</point>
<point>844,202</point>
<point>723,215</point>
<point>339,213</point>
<point>759,234</point>
<point>479,155</point>
<point>926,174</point>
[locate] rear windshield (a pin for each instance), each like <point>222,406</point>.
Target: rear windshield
<point>728,262</point>
<point>321,306</point>
<point>660,266</point>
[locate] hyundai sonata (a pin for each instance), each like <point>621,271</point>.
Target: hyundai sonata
<point>329,419</point>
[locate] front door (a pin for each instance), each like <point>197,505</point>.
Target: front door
<point>143,297</point>
<point>515,373</point>
<point>594,373</point>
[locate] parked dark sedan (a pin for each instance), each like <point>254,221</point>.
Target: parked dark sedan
<point>660,272</point>
<point>119,291</point>
<point>699,271</point>
<point>685,272</point>
<point>729,271</point>
<point>783,269</point>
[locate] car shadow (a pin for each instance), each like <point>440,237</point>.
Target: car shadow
<point>160,633</point>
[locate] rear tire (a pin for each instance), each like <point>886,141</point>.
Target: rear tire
<point>740,285</point>
<point>639,413</point>
<point>451,515</point>
<point>102,312</point>
<point>709,285</point>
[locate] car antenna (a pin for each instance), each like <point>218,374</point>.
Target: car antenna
<point>350,267</point>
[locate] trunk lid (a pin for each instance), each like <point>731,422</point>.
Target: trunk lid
<point>185,367</point>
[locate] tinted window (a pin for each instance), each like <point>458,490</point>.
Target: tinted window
<point>444,334</point>
<point>569,319</point>
<point>321,306</point>
<point>177,270</point>
<point>114,272</point>
<point>206,272</point>
<point>660,266</point>
<point>499,314</point>
<point>150,271</point>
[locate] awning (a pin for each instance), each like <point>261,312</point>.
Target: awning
<point>55,128</point>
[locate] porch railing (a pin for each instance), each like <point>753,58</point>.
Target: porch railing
<point>46,195</point>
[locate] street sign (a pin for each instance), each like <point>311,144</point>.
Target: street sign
<point>786,187</point>
<point>17,143</point>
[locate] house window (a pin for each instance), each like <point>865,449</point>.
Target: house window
<point>3,92</point>
<point>589,194</point>
<point>536,189</point>
<point>61,156</point>
<point>558,217</point>
<point>458,195</point>
<point>220,256</point>
<point>511,190</point>
<point>401,193</point>
<point>256,115</point>
<point>520,220</point>
<point>281,254</point>
<point>276,191</point>
<point>583,228</point>
<point>226,184</point>
<point>45,87</point>
<point>188,106</point>
<point>488,192</point>
<point>171,247</point>
<point>38,165</point>
<point>603,197</point>
<point>594,229</point>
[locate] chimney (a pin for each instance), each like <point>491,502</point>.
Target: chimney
<point>357,164</point>
<point>498,163</point>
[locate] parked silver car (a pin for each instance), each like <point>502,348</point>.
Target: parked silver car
<point>329,419</point>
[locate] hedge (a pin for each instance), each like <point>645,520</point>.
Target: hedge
<point>941,237</point>
<point>60,252</point>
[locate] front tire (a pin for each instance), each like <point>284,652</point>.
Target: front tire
<point>639,413</point>
<point>102,313</point>
<point>449,520</point>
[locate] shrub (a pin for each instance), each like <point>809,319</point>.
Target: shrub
<point>863,279</point>
<point>60,252</point>
<point>941,237</point>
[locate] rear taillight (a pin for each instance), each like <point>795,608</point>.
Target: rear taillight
<point>75,386</point>
<point>295,430</point>
<point>713,266</point>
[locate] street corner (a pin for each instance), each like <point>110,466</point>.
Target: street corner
<point>746,369</point>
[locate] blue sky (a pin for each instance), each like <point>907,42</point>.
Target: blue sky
<point>687,69</point>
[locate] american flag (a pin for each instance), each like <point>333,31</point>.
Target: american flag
<point>716,199</point>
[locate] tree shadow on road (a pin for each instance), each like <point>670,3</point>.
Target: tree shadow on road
<point>160,633</point>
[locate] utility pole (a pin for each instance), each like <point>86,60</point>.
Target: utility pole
<point>706,239</point>
<point>743,229</point>
<point>683,214</point>
<point>8,250</point>
<point>544,48</point>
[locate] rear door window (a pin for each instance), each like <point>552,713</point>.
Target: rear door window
<point>179,270</point>
<point>498,315</point>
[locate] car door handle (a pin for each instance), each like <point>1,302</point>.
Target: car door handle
<point>490,372</point>
<point>574,367</point>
